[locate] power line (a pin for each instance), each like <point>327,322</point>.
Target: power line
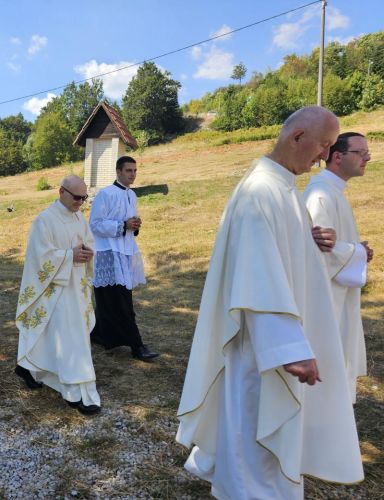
<point>165,54</point>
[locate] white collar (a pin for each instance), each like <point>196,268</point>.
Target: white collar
<point>122,185</point>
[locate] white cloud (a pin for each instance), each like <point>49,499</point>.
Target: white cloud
<point>196,53</point>
<point>15,40</point>
<point>34,105</point>
<point>183,76</point>
<point>310,13</point>
<point>217,65</point>
<point>335,19</point>
<point>287,35</point>
<point>114,84</point>
<point>13,66</point>
<point>37,43</point>
<point>222,31</point>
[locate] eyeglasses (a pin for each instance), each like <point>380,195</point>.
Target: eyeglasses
<point>361,152</point>
<point>76,197</point>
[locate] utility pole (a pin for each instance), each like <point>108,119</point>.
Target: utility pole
<point>321,55</point>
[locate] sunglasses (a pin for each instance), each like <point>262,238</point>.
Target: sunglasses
<point>76,197</point>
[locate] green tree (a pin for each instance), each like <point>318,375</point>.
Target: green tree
<point>16,127</point>
<point>267,106</point>
<point>335,59</point>
<point>142,139</point>
<point>300,92</point>
<point>373,93</point>
<point>78,102</point>
<point>151,103</point>
<point>355,82</point>
<point>337,95</point>
<point>11,157</point>
<point>52,142</point>
<point>293,67</point>
<point>239,72</point>
<point>255,80</point>
<point>372,51</point>
<point>231,103</point>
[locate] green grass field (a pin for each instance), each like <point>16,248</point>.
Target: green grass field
<point>176,240</point>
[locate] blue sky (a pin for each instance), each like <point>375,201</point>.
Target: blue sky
<point>48,43</point>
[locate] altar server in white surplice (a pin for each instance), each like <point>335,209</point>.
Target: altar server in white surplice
<point>119,266</point>
<point>347,263</point>
<point>265,399</point>
<point>54,311</point>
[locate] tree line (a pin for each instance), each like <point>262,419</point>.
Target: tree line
<point>353,80</point>
<point>149,107</point>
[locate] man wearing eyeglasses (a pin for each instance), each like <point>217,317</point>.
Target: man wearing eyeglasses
<point>347,262</point>
<point>54,311</point>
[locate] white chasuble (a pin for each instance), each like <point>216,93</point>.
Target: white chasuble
<point>54,312</point>
<point>347,265</point>
<point>266,262</point>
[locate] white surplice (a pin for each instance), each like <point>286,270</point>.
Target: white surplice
<point>54,312</point>
<point>118,259</point>
<point>238,404</point>
<point>347,266</point>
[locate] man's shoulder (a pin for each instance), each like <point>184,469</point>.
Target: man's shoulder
<point>47,213</point>
<point>108,190</point>
<point>318,188</point>
<point>319,183</point>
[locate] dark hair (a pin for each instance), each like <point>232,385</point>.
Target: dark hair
<point>342,144</point>
<point>124,159</point>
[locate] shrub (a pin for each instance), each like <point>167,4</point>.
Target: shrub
<point>42,184</point>
<point>375,136</point>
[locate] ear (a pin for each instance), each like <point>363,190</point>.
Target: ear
<point>337,156</point>
<point>297,134</point>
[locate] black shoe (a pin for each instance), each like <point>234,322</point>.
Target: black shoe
<point>143,353</point>
<point>82,408</point>
<point>27,377</point>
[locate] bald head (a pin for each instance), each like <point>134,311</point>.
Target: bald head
<point>309,118</point>
<point>73,192</point>
<point>305,138</point>
<point>72,181</point>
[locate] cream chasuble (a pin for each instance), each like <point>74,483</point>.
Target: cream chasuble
<point>265,261</point>
<point>54,313</point>
<point>329,207</point>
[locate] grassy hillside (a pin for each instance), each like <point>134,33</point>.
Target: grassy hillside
<point>176,240</point>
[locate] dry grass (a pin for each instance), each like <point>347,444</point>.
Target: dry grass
<point>176,240</point>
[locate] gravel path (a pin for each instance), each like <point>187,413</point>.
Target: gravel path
<point>100,457</point>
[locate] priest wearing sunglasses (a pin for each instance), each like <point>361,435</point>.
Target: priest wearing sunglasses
<point>54,311</point>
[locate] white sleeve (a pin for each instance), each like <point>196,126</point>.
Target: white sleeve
<point>99,224</point>
<point>277,339</point>
<point>354,274</point>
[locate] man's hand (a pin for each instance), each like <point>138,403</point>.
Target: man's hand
<point>325,238</point>
<point>368,250</point>
<point>305,370</point>
<point>82,253</point>
<point>133,224</point>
